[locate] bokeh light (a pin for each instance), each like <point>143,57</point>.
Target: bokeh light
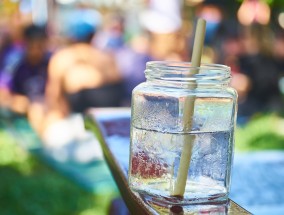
<point>281,19</point>
<point>254,11</point>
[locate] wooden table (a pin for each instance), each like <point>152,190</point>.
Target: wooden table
<point>111,126</point>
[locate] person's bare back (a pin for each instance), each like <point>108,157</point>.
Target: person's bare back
<point>71,70</point>
<point>77,67</point>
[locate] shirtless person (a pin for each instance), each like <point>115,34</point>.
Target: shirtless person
<point>79,76</point>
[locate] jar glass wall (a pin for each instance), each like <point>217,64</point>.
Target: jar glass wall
<point>181,108</point>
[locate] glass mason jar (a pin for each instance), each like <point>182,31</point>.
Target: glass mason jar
<point>182,133</point>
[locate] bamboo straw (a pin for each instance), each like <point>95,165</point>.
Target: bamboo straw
<point>180,184</point>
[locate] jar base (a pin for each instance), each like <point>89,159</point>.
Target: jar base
<point>220,198</point>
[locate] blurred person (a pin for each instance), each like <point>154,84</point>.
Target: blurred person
<point>80,76</point>
<point>163,22</point>
<point>111,36</point>
<point>259,66</point>
<point>131,61</point>
<point>30,75</point>
<point>278,49</point>
<point>229,50</point>
<point>10,55</point>
<point>227,42</point>
<point>162,39</point>
<point>213,15</point>
<point>88,78</point>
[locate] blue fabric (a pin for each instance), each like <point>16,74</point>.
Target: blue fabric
<point>258,182</point>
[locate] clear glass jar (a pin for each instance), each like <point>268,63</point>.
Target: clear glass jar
<point>182,123</point>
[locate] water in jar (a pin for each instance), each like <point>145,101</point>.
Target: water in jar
<point>158,138</point>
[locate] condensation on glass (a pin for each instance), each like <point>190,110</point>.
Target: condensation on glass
<point>160,131</point>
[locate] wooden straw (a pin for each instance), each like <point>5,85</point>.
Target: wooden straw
<point>180,184</point>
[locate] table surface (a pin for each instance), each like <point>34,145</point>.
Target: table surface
<point>112,127</point>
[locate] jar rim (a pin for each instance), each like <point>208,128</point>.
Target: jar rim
<point>175,71</point>
<point>182,65</point>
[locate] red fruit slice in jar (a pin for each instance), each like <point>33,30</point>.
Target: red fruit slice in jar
<point>146,167</point>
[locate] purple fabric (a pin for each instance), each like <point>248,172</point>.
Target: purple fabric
<point>30,80</point>
<point>132,65</point>
<point>9,59</point>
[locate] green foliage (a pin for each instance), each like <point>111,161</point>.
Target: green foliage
<point>261,133</point>
<point>14,156</point>
<point>29,187</point>
<point>267,1</point>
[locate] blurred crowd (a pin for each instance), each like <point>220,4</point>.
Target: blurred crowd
<point>48,75</point>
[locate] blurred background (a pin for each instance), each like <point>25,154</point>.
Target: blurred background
<point>60,57</point>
